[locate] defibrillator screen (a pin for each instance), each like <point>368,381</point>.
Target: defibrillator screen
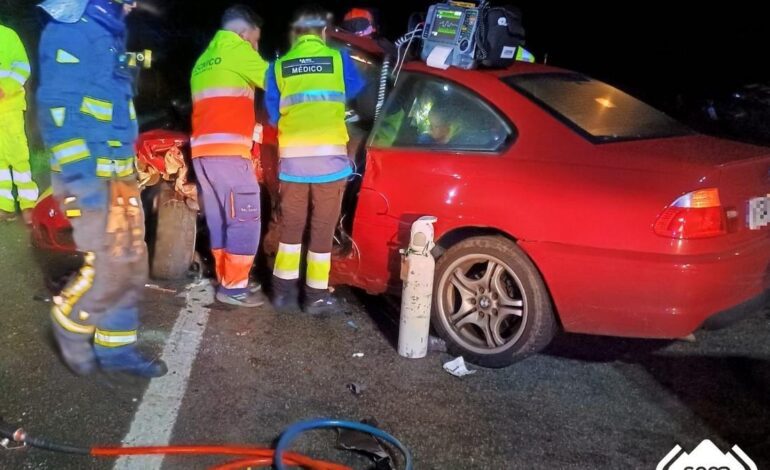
<point>446,24</point>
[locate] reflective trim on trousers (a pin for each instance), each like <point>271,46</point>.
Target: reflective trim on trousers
<point>5,175</point>
<point>77,287</point>
<point>75,290</point>
<point>70,325</point>
<point>223,92</point>
<point>28,194</point>
<point>317,96</point>
<point>19,177</point>
<point>6,194</point>
<point>71,151</point>
<point>106,168</point>
<point>314,151</point>
<point>287,262</point>
<point>318,268</point>
<point>99,109</point>
<point>222,138</point>
<point>115,339</point>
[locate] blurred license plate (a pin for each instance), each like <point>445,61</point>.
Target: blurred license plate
<point>759,212</point>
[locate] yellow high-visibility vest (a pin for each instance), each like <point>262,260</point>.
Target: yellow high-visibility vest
<point>311,81</point>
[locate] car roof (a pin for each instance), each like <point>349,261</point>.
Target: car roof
<point>371,46</point>
<point>518,68</point>
<point>367,45</point>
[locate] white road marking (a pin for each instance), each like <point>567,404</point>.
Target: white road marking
<point>157,414</point>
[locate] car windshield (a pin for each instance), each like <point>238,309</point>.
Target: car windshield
<point>600,112</point>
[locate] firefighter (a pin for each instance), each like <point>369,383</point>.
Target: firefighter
<point>223,83</point>
<point>14,152</point>
<point>360,22</point>
<point>307,90</point>
<point>88,122</point>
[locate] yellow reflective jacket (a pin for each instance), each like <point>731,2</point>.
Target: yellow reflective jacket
<point>311,81</point>
<point>14,71</point>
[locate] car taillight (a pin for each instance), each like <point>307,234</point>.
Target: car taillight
<point>698,214</point>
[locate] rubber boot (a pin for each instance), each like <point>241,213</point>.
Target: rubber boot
<point>128,360</point>
<point>285,296</point>
<point>320,302</point>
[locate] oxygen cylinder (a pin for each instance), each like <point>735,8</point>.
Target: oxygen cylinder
<point>417,272</point>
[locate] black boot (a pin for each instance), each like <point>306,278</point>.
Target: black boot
<point>285,296</point>
<point>320,302</point>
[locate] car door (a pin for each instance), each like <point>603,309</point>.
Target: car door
<point>430,149</point>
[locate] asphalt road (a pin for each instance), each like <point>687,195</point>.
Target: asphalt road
<point>587,403</point>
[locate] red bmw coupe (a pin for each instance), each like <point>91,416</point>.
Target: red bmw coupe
<point>563,203</point>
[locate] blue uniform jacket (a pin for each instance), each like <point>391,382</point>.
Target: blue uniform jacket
<point>85,107</point>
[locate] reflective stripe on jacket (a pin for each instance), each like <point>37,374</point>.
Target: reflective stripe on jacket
<point>223,83</point>
<point>311,81</point>
<point>85,103</point>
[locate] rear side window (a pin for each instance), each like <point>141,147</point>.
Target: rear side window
<point>598,111</point>
<point>434,114</point>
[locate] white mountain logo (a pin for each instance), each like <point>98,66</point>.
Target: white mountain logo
<point>706,456</point>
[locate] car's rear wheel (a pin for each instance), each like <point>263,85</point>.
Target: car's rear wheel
<point>175,233</point>
<point>490,303</point>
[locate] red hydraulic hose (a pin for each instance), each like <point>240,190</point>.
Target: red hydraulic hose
<point>268,462</point>
<point>255,453</point>
<point>246,463</point>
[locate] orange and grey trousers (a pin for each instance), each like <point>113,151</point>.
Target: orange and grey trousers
<point>230,195</point>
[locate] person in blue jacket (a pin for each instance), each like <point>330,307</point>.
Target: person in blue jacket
<point>306,93</point>
<point>88,122</point>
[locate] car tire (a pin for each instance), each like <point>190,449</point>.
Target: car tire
<point>175,233</point>
<point>490,303</point>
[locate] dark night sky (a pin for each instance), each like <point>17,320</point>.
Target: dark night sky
<point>653,49</point>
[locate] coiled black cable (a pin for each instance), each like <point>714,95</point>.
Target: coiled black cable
<point>382,93</point>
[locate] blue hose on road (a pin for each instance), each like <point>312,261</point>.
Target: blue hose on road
<point>293,431</point>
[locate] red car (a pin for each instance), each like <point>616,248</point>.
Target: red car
<point>562,203</point>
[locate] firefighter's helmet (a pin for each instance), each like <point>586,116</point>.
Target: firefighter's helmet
<point>70,11</point>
